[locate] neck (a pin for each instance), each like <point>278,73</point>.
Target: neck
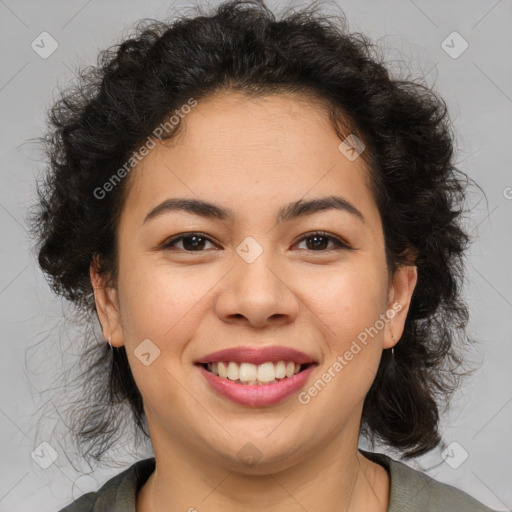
<point>187,480</point>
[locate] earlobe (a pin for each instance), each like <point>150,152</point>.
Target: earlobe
<point>107,308</point>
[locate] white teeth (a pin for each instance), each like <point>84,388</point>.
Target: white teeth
<point>223,369</point>
<point>233,371</point>
<point>280,370</point>
<point>266,372</point>
<point>248,373</point>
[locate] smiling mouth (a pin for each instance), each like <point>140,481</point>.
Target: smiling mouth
<point>252,374</point>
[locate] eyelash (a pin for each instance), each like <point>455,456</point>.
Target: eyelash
<point>168,245</point>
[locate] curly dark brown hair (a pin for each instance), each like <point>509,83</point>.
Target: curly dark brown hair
<point>100,121</point>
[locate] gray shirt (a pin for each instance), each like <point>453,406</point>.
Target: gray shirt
<point>411,491</point>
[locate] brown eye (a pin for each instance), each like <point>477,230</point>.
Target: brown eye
<point>191,242</point>
<point>319,241</point>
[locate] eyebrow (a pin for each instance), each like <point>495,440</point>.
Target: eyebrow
<point>287,213</point>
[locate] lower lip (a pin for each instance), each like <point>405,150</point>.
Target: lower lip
<point>257,395</point>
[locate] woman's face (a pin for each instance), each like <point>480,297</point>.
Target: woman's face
<point>253,279</point>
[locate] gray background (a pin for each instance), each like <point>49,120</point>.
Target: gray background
<point>478,89</point>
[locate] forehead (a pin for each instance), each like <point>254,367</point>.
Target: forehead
<point>244,150</point>
<point>233,123</point>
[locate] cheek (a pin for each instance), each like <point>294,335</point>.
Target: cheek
<point>160,306</point>
<point>156,302</point>
<point>348,301</point>
<point>349,308</point>
<point>352,308</point>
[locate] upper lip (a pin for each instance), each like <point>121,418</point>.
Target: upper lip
<point>257,355</point>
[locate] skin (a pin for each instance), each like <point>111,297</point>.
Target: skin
<point>253,155</point>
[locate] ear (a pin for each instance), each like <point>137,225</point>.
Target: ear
<point>107,306</point>
<point>400,293</point>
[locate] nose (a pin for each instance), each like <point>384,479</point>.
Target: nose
<point>257,294</point>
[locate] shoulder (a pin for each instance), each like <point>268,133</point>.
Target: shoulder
<point>118,494</point>
<point>415,491</point>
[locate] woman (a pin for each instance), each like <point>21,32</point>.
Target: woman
<point>267,227</point>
